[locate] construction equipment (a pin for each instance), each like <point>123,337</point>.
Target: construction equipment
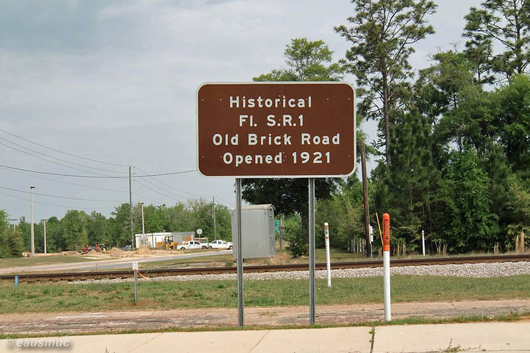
<point>169,243</point>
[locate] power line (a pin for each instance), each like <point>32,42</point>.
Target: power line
<point>64,182</point>
<point>145,198</point>
<point>60,197</point>
<point>61,206</point>
<point>64,165</point>
<point>161,182</point>
<point>95,176</point>
<point>59,159</point>
<point>147,187</point>
<point>66,153</point>
<point>164,190</point>
<point>220,198</point>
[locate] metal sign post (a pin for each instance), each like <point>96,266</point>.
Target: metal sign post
<point>312,286</point>
<point>276,130</point>
<point>240,301</point>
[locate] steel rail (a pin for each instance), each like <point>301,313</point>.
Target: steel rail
<point>84,275</point>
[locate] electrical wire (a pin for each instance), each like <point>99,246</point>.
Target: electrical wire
<point>66,153</point>
<point>60,197</point>
<point>59,159</point>
<point>61,206</point>
<point>64,165</point>
<point>95,176</point>
<point>145,198</point>
<point>65,182</point>
<point>161,182</point>
<point>163,189</point>
<point>147,187</point>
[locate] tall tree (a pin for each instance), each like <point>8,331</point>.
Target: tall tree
<point>382,34</point>
<point>407,186</point>
<point>468,223</point>
<point>97,229</point>
<point>512,115</point>
<point>120,229</point>
<point>75,229</point>
<point>306,61</point>
<point>508,23</point>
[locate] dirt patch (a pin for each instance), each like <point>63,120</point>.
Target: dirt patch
<point>115,252</point>
<point>144,250</point>
<point>69,253</point>
<point>91,322</point>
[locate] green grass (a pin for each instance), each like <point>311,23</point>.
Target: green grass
<point>63,297</point>
<point>42,260</point>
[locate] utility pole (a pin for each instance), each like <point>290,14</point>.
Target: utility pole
<point>131,210</point>
<point>44,223</point>
<point>14,223</point>
<point>365,198</point>
<point>214,223</point>
<point>31,215</point>
<point>143,224</point>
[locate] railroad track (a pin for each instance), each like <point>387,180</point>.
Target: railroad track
<point>79,276</point>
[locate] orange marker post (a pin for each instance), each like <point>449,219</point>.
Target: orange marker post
<point>386,265</point>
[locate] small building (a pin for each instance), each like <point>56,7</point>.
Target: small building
<point>150,239</point>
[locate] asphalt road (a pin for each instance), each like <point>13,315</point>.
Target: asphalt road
<point>121,263</point>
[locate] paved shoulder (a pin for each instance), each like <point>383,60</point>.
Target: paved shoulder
<point>471,337</point>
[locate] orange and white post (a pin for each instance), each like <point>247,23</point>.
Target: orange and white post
<point>328,263</point>
<point>386,265</point>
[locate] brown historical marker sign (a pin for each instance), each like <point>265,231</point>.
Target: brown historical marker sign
<point>276,130</point>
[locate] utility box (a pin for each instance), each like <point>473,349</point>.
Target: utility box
<point>257,231</point>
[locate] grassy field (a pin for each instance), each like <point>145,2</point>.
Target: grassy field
<point>42,260</point>
<point>63,297</point>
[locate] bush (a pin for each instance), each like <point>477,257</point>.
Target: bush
<point>293,234</point>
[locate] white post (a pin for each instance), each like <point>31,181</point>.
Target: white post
<point>371,239</point>
<point>32,216</point>
<point>44,221</point>
<point>143,225</point>
<point>386,265</point>
<point>328,264</point>
<point>386,279</point>
<point>423,241</point>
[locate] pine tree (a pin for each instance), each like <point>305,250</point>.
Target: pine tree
<point>382,34</point>
<point>507,23</point>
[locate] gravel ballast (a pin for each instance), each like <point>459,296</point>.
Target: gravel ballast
<point>478,270</point>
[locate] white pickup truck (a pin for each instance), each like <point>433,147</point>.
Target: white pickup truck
<point>192,244</point>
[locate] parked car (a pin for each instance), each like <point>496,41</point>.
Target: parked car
<point>192,244</point>
<point>221,244</point>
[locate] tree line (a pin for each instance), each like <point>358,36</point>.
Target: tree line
<point>452,153</point>
<point>77,228</point>
<point>453,147</point>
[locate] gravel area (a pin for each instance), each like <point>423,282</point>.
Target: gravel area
<point>482,270</point>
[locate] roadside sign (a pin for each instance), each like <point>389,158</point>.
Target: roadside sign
<point>253,130</point>
<point>135,265</point>
<point>277,226</point>
<point>199,231</point>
